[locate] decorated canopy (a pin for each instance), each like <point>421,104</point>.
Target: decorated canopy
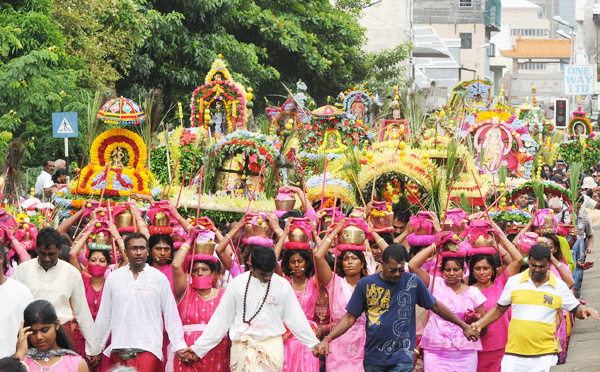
<point>121,111</point>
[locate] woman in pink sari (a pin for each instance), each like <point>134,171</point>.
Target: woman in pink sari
<point>198,303</point>
<point>347,351</point>
<point>298,267</point>
<point>485,276</point>
<point>444,345</point>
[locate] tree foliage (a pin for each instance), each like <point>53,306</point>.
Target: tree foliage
<point>56,54</point>
<point>265,42</point>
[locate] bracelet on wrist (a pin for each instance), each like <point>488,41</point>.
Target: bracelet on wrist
<point>327,337</point>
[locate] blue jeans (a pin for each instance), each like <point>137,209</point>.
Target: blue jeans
<point>578,252</point>
<point>400,367</point>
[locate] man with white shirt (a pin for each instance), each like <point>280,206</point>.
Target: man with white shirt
<point>44,186</point>
<point>254,308</point>
<point>134,300</point>
<point>60,283</point>
<point>16,297</point>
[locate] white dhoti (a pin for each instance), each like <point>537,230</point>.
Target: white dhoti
<point>252,355</point>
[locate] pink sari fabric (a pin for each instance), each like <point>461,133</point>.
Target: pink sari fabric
<point>347,351</point>
<point>297,357</point>
<point>494,341</point>
<point>561,331</point>
<point>445,341</point>
<point>68,363</point>
<point>195,313</point>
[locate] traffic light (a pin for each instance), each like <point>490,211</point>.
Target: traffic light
<point>560,113</point>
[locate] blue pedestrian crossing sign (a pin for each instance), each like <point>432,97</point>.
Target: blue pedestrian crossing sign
<point>64,124</point>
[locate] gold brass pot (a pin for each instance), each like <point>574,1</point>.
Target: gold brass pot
<point>352,235</point>
<point>101,238</point>
<point>483,241</point>
<point>124,219</point>
<point>285,204</point>
<point>258,230</point>
<point>207,248</point>
<point>297,235</point>
<point>161,219</point>
<point>382,221</point>
<point>449,226</point>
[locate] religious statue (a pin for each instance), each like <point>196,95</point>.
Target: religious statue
<point>116,158</point>
<point>217,119</point>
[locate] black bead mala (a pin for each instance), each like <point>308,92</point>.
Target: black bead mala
<point>261,304</point>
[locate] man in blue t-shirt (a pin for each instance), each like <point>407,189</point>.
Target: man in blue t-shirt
<point>389,300</point>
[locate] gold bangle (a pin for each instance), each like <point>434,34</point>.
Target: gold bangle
<point>328,239</point>
<point>378,240</point>
<point>227,236</point>
<point>186,247</point>
<point>75,242</point>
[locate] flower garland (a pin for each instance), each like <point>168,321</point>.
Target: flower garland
<point>118,182</point>
<point>107,141</point>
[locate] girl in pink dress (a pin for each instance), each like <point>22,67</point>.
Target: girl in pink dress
<point>299,269</point>
<point>444,346</point>
<point>347,351</point>
<point>43,344</point>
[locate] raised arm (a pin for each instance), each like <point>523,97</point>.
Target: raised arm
<point>64,227</point>
<point>323,270</point>
<point>119,243</point>
<point>139,221</point>
<point>516,258</point>
<point>179,278</point>
<point>16,245</point>
<point>222,251</point>
<point>523,230</point>
<point>182,221</point>
<point>417,261</point>
<point>77,246</point>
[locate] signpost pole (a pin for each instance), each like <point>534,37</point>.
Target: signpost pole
<point>67,156</point>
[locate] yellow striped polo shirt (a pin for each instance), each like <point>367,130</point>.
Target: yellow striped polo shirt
<point>533,322</point>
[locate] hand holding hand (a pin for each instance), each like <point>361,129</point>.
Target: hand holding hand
<point>322,349</point>
<point>471,333</point>
<point>187,355</point>
<point>94,359</point>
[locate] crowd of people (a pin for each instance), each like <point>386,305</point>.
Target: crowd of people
<point>317,290</point>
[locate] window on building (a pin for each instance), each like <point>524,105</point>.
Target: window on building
<point>466,41</point>
<point>465,3</point>
<point>533,66</point>
<point>491,50</point>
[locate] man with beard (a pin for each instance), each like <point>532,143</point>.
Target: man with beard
<point>535,295</point>
<point>135,299</point>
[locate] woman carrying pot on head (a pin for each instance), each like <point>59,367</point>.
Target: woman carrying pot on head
<point>346,352</point>
<point>298,268</point>
<point>444,345</point>
<point>200,297</point>
<point>490,280</point>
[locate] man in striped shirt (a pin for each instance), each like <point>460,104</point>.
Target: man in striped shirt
<point>535,295</point>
